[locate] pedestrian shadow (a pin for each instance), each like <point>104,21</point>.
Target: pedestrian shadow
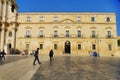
<point>51,63</point>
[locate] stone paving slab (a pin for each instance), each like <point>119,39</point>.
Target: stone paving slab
<point>65,67</point>
<point>79,68</point>
<point>19,70</point>
<point>12,58</point>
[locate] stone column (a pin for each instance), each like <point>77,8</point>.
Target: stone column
<point>0,9</point>
<point>4,11</point>
<point>2,36</point>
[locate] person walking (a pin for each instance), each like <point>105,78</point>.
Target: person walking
<point>51,53</point>
<point>3,54</point>
<point>36,57</point>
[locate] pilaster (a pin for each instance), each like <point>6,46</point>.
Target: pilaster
<point>2,36</point>
<point>14,35</point>
<point>4,11</point>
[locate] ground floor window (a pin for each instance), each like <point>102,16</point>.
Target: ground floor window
<point>109,47</point>
<point>41,46</point>
<point>27,46</point>
<point>55,46</point>
<point>94,47</point>
<point>79,46</point>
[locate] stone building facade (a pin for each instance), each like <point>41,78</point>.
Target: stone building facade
<point>70,33</point>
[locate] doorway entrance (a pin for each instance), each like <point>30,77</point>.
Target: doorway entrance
<point>67,47</point>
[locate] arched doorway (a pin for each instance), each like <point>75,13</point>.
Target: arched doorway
<point>67,47</point>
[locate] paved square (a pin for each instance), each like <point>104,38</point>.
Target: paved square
<point>79,68</point>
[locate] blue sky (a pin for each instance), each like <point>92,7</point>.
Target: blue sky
<point>71,6</point>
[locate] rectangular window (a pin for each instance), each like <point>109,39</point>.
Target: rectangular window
<point>55,33</point>
<point>109,47</point>
<point>27,33</point>
<point>67,33</point>
<point>92,19</point>
<point>41,33</point>
<point>108,34</point>
<point>79,46</point>
<point>41,46</point>
<point>78,19</point>
<point>27,46</point>
<point>108,19</point>
<point>55,18</point>
<point>28,19</point>
<point>93,33</point>
<point>55,46</point>
<point>79,33</point>
<point>94,47</point>
<point>41,18</point>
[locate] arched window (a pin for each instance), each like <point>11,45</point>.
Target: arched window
<point>119,42</point>
<point>12,8</point>
<point>108,19</point>
<point>10,34</point>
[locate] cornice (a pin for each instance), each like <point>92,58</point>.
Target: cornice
<point>66,13</point>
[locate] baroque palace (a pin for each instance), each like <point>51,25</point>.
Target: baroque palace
<point>64,32</point>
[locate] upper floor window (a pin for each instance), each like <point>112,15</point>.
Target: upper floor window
<point>28,19</point>
<point>12,8</point>
<point>41,33</point>
<point>78,19</point>
<point>108,19</point>
<point>92,19</point>
<point>67,33</point>
<point>108,33</point>
<point>55,33</point>
<point>93,33</point>
<point>55,18</point>
<point>10,34</point>
<point>119,42</point>
<point>78,33</point>
<point>28,33</point>
<point>41,18</point>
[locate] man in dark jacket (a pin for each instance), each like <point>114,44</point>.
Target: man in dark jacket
<point>51,53</point>
<point>36,57</point>
<point>3,54</point>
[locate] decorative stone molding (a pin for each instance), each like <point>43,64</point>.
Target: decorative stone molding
<point>79,27</point>
<point>41,27</point>
<point>28,27</point>
<point>67,21</point>
<point>56,27</point>
<point>93,27</point>
<point>108,27</point>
